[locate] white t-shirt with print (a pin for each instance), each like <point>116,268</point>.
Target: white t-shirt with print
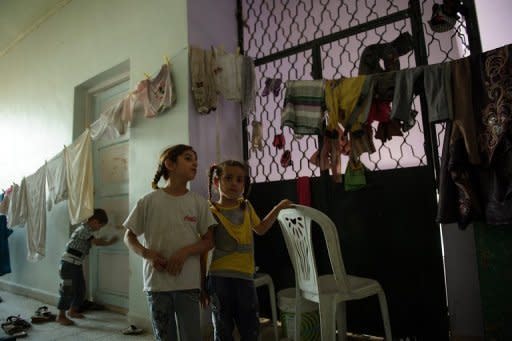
<point>167,223</point>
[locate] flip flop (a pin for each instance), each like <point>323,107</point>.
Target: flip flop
<point>17,321</point>
<point>43,315</point>
<point>132,330</point>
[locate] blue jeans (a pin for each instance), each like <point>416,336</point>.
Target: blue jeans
<point>234,301</point>
<point>174,312</point>
<point>72,286</point>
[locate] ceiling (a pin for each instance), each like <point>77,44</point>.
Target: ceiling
<point>18,18</point>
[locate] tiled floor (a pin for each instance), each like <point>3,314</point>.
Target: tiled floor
<point>98,325</point>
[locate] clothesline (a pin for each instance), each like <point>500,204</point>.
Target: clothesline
<point>69,174</point>
<point>81,148</point>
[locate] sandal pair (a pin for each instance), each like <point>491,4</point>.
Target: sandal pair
<point>43,315</point>
<point>15,325</point>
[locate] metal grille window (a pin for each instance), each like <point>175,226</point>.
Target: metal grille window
<point>283,37</point>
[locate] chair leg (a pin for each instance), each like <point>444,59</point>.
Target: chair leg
<point>327,318</point>
<point>298,315</point>
<point>385,314</point>
<point>341,321</point>
<point>272,295</point>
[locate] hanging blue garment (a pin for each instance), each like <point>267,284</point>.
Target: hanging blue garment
<point>5,261</point>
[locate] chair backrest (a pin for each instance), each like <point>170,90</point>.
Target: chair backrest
<point>296,226</point>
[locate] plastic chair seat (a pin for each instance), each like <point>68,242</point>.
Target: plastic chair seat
<point>359,287</point>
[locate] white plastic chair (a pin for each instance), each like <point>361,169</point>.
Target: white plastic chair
<point>264,279</point>
<point>329,291</point>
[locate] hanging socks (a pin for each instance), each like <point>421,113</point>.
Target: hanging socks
<point>272,84</point>
<point>279,141</point>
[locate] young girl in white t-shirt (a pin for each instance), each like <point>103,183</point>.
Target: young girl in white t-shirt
<point>175,227</point>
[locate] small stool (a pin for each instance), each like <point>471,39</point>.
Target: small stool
<point>261,279</point>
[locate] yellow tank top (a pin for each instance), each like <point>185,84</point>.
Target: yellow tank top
<point>233,255</point>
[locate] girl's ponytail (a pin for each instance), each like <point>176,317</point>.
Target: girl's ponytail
<point>157,177</point>
<point>211,172</point>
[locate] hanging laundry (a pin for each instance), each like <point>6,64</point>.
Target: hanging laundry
<point>388,53</point>
<point>303,106</point>
<point>4,202</point>
<point>407,84</point>
<point>438,92</point>
<point>348,102</point>
<point>5,261</point>
<point>303,191</point>
<point>386,130</point>
<point>228,75</point>
<point>17,213</point>
<point>362,141</point>
<point>156,94</point>
<point>496,134</point>
<point>384,77</point>
<point>465,123</point>
<point>410,123</point>
<point>279,141</point>
<point>248,102</point>
<point>335,144</point>
<point>35,192</point>
<point>56,179</point>
<point>257,136</point>
<point>286,159</point>
<point>497,111</point>
<point>79,176</point>
<point>444,16</point>
<point>110,123</point>
<point>354,175</point>
<point>272,85</point>
<point>475,176</point>
<point>202,79</point>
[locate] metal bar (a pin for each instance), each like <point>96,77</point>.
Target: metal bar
<point>316,69</point>
<point>325,179</point>
<point>389,19</point>
<point>421,56</point>
<point>240,31</point>
<point>472,29</point>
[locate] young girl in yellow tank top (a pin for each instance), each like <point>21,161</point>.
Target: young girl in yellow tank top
<point>231,275</point>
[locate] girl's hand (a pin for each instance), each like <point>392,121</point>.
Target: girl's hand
<point>155,259</point>
<point>113,240</point>
<point>175,263</point>
<point>204,298</point>
<point>284,204</point>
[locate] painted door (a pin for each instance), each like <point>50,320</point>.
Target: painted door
<point>108,270</point>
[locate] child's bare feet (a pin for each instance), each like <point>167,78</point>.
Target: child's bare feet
<point>75,314</point>
<point>63,320</point>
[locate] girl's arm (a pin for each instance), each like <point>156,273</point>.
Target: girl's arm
<point>175,263</point>
<point>203,264</point>
<point>154,258</point>
<point>271,217</point>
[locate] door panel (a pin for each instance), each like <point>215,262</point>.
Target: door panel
<point>108,272</point>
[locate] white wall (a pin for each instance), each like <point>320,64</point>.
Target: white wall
<point>39,75</point>
<point>224,125</point>
<point>494,22</point>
